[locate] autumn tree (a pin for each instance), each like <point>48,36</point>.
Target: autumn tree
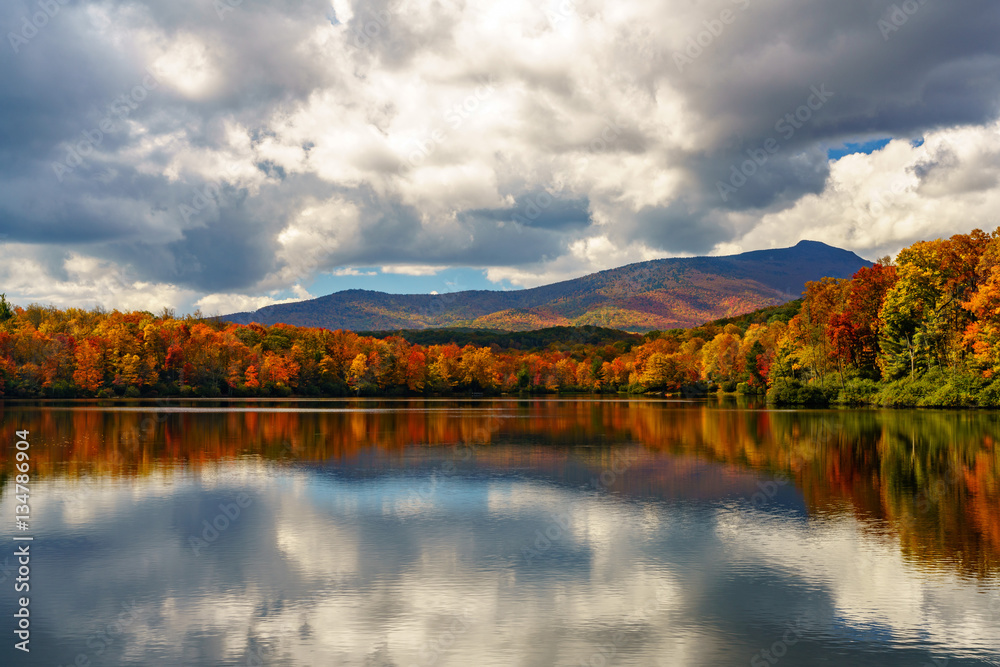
<point>6,312</point>
<point>662,372</point>
<point>721,357</point>
<point>478,368</point>
<point>251,377</point>
<point>279,369</point>
<point>854,334</point>
<point>925,317</point>
<point>822,302</point>
<point>443,364</point>
<point>982,334</point>
<point>358,375</point>
<point>89,373</point>
<point>175,362</point>
<point>416,370</point>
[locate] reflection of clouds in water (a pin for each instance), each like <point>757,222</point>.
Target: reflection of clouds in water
<point>316,571</point>
<point>83,500</point>
<point>316,547</point>
<point>868,579</point>
<point>509,500</point>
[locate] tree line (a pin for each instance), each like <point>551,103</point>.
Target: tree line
<point>923,330</point>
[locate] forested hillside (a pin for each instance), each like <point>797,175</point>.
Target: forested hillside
<point>924,330</point>
<point>516,340</point>
<point>656,295</point>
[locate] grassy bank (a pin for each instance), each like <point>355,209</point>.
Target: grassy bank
<point>937,388</point>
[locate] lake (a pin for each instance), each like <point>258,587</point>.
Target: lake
<point>532,532</point>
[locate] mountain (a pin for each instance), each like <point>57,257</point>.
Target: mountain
<point>659,294</point>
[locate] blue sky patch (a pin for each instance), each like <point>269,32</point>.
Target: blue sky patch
<point>446,280</point>
<point>866,147</point>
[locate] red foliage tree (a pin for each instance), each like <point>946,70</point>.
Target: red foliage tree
<point>89,373</point>
<point>856,335</point>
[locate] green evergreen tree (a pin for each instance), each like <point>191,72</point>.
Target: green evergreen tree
<point>6,312</point>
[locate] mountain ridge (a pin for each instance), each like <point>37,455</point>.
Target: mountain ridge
<point>657,294</point>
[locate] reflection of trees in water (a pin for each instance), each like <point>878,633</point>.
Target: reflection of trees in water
<point>934,477</point>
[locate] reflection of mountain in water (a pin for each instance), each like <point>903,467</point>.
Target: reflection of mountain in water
<point>627,471</point>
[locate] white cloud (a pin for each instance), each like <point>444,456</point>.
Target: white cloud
<point>585,256</point>
<point>313,237</point>
<point>413,269</point>
<point>184,62</point>
<point>878,203</point>
<point>86,282</point>
<point>223,304</point>
<point>348,271</point>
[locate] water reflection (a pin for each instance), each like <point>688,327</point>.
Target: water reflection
<point>511,532</point>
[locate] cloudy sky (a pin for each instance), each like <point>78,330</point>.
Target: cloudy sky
<point>228,154</point>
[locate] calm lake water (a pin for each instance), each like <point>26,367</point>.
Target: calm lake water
<point>504,532</point>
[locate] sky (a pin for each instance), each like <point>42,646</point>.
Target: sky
<point>224,155</point>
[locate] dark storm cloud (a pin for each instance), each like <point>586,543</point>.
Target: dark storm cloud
<point>394,233</point>
<point>750,182</point>
<point>934,71</point>
<point>235,249</point>
<point>679,228</point>
<point>540,209</point>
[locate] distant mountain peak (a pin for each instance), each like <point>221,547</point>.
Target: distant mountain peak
<point>668,293</point>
